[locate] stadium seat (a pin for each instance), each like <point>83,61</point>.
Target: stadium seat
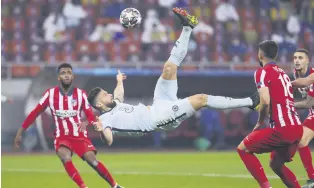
<point>33,10</point>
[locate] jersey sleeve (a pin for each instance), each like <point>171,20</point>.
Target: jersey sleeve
<point>261,78</point>
<point>87,108</point>
<point>41,106</point>
<point>105,123</point>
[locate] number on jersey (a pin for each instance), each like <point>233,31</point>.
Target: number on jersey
<point>285,81</point>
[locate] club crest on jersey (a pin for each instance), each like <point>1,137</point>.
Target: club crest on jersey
<point>74,102</point>
<point>175,108</point>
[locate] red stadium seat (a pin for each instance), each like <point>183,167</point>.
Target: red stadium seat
<point>18,24</point>
<point>33,10</point>
<point>18,47</point>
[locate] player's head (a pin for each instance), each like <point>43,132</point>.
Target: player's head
<point>267,51</point>
<point>301,59</point>
<point>65,75</point>
<point>100,99</point>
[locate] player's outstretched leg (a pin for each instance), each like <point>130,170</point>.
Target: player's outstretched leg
<point>285,174</point>
<point>219,102</point>
<point>167,85</point>
<point>305,155</point>
<point>90,158</point>
<point>65,156</point>
<point>253,165</point>
<point>180,49</point>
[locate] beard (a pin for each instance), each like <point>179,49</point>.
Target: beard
<point>112,105</point>
<point>260,63</point>
<point>66,85</point>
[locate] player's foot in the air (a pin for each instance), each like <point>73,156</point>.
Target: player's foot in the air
<point>185,17</point>
<point>255,99</point>
<point>309,184</point>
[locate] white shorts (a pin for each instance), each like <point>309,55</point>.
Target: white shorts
<point>167,110</point>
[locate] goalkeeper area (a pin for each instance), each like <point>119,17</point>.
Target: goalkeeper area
<point>142,170</point>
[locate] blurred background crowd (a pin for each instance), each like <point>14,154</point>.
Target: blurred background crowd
<point>38,35</point>
<point>89,30</point>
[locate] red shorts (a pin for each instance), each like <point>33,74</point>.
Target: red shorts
<point>78,145</point>
<point>309,122</point>
<point>280,141</point>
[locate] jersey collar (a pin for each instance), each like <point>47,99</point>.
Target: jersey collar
<point>69,93</point>
<point>270,63</point>
<point>307,72</point>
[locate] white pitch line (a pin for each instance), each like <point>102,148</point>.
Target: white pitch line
<point>242,176</point>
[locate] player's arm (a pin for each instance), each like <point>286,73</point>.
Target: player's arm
<point>262,82</point>
<point>106,135</point>
<point>105,132</point>
<point>41,106</point>
<point>303,82</point>
<point>87,110</point>
<point>118,93</point>
<point>264,105</point>
<point>307,103</point>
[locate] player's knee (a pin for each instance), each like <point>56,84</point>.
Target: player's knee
<point>93,163</point>
<point>304,142</point>
<point>275,166</point>
<point>201,99</point>
<point>242,147</point>
<point>168,68</point>
<point>65,158</point>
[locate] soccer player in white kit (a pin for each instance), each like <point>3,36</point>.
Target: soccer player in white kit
<point>167,111</point>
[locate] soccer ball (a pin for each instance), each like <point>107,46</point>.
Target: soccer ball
<point>130,18</point>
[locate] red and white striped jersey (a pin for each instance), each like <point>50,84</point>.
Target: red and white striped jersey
<point>65,110</point>
<point>282,111</point>
<point>306,91</point>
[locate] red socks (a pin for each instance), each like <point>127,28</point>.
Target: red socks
<point>104,173</point>
<point>74,174</point>
<point>255,168</point>
<point>289,178</point>
<point>306,159</point>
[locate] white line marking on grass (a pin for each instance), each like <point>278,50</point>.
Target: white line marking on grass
<point>242,176</point>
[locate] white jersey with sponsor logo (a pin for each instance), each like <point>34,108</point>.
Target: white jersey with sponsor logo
<point>128,120</point>
<point>136,120</point>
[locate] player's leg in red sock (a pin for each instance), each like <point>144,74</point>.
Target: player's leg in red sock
<point>254,167</point>
<point>306,158</point>
<point>277,164</point>
<point>90,158</point>
<point>66,158</point>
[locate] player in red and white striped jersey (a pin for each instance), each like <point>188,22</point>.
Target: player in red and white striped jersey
<point>284,133</point>
<point>66,103</point>
<point>301,61</point>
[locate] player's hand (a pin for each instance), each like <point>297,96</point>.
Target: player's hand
<point>17,141</point>
<point>83,126</point>
<point>97,125</point>
<point>120,76</point>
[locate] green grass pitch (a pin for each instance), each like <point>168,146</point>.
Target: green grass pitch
<point>141,170</point>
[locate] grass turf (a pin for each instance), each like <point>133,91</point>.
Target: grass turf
<point>139,170</point>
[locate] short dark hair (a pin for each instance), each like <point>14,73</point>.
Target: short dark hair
<point>92,95</point>
<point>64,65</point>
<point>303,51</point>
<point>270,49</point>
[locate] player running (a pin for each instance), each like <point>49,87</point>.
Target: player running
<point>66,103</point>
<point>167,111</point>
<point>302,70</point>
<point>283,135</point>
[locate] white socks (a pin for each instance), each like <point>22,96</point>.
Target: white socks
<point>222,103</point>
<point>180,49</point>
